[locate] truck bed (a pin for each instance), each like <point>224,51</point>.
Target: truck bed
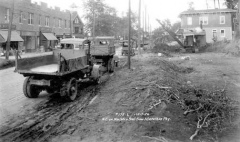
<point>46,68</point>
<point>71,61</point>
<point>102,50</point>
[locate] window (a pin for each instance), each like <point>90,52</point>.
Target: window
<point>65,23</point>
<point>56,22</point>
<point>214,33</point>
<point>204,20</point>
<point>30,18</point>
<point>21,17</point>
<point>59,23</point>
<point>189,20</point>
<point>81,30</point>
<point>76,30</point>
<point>7,15</point>
<point>47,21</point>
<point>76,20</point>
<point>39,20</point>
<point>222,19</point>
<point>222,33</point>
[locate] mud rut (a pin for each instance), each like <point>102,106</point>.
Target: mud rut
<point>47,117</point>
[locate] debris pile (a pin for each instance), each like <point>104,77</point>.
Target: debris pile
<point>158,87</point>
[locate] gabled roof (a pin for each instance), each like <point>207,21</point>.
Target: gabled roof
<point>75,15</point>
<point>207,11</point>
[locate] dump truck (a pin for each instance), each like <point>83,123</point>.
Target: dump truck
<point>124,44</point>
<point>62,71</point>
<point>103,53</point>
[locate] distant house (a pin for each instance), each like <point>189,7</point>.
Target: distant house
<point>216,23</point>
<point>77,26</point>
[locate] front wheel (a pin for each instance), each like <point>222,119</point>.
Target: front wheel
<point>72,89</point>
<point>30,91</point>
<point>111,65</point>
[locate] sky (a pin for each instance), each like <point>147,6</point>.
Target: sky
<point>156,9</point>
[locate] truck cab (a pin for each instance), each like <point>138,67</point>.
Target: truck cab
<point>71,43</point>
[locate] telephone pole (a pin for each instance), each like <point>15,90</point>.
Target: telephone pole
<point>238,15</point>
<point>9,31</point>
<point>129,36</point>
<point>139,27</point>
<point>145,19</point>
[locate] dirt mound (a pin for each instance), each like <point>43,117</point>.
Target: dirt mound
<point>233,48</point>
<point>154,101</point>
<point>225,47</point>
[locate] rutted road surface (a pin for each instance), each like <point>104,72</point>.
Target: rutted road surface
<point>37,123</point>
<point>24,119</point>
<point>12,100</point>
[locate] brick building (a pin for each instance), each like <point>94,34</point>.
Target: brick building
<point>216,23</point>
<point>38,25</point>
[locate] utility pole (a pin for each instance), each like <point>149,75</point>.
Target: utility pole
<point>218,4</point>
<point>238,17</point>
<point>72,8</point>
<point>148,25</point>
<point>139,27</point>
<point>129,36</point>
<point>9,30</point>
<point>145,20</point>
<point>70,24</point>
<point>143,28</point>
<point>94,21</point>
<point>207,4</point>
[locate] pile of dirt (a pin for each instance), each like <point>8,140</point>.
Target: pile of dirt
<point>153,101</point>
<point>233,48</point>
<point>225,47</point>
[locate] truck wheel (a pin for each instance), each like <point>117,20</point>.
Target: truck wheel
<point>72,89</point>
<point>30,91</point>
<point>112,66</point>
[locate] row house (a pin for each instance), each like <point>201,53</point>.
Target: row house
<point>217,24</point>
<point>38,25</point>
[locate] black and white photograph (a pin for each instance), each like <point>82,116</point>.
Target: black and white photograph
<point>119,71</point>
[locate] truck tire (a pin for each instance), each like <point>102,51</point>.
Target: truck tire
<point>112,68</point>
<point>72,90</point>
<point>110,65</point>
<point>30,91</point>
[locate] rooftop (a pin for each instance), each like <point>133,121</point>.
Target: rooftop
<point>205,11</point>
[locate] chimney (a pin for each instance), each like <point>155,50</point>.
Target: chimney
<point>57,8</point>
<point>43,5</point>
